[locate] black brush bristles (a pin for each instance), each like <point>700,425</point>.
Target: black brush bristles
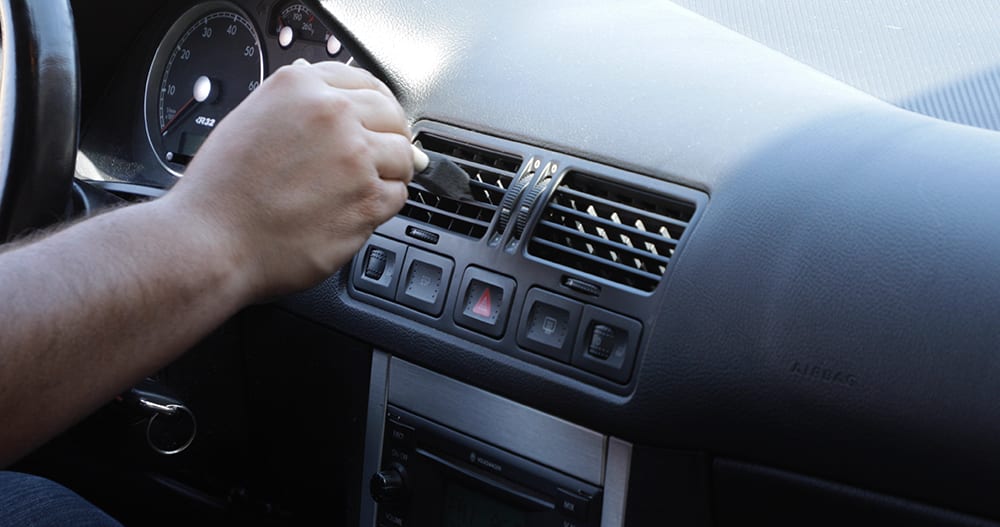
<point>444,178</point>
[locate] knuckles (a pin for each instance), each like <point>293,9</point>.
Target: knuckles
<point>371,206</point>
<point>287,77</point>
<point>357,153</point>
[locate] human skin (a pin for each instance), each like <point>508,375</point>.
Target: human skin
<point>285,190</point>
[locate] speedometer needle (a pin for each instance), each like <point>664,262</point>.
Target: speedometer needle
<point>163,131</point>
<point>202,91</point>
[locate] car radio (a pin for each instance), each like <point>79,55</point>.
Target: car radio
<point>432,475</point>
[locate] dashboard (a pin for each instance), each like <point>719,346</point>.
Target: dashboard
<point>699,277</point>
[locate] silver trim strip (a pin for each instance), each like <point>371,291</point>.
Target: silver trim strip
<point>374,429</point>
<point>616,483</point>
<point>543,438</point>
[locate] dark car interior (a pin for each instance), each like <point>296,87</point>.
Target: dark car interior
<point>727,263</point>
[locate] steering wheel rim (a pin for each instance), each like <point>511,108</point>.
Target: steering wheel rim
<point>39,113</point>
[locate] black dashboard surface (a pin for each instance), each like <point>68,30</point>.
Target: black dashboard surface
<point>833,310</point>
<point>936,58</point>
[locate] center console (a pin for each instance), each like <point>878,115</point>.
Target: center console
<point>443,453</point>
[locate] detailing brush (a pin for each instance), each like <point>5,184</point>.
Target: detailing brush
<point>440,175</point>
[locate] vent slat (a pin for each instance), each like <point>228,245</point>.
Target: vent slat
<point>446,204</point>
<point>472,167</point>
<point>480,185</point>
<point>594,200</point>
<point>451,215</point>
<point>609,230</point>
<point>490,174</point>
<point>608,224</point>
<point>661,260</point>
<point>466,152</point>
<point>443,221</point>
<point>489,195</point>
<point>599,261</point>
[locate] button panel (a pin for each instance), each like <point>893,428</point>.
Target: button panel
<point>485,300</point>
<point>606,344</point>
<point>564,329</point>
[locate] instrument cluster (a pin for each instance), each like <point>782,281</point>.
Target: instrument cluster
<point>212,57</point>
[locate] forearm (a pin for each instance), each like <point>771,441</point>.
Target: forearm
<point>94,308</point>
<point>89,311</point>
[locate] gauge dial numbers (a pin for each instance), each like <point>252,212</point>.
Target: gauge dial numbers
<point>297,23</point>
<point>208,62</point>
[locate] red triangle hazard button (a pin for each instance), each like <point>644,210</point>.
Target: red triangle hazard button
<point>484,307</point>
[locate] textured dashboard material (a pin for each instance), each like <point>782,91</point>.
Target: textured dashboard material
<point>647,86</point>
<point>936,58</point>
<point>834,312</point>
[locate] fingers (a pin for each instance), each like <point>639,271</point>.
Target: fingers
<point>377,113</point>
<point>420,159</point>
<point>393,157</point>
<point>347,77</point>
<point>376,106</point>
<point>393,195</point>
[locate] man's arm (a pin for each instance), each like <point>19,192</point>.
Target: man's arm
<point>285,190</point>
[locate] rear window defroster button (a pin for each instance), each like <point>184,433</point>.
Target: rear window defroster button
<point>548,324</point>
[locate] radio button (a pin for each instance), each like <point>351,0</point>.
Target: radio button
<point>572,504</point>
<point>387,518</point>
<point>400,455</point>
<point>400,435</point>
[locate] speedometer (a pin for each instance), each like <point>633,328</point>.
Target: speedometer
<point>208,62</point>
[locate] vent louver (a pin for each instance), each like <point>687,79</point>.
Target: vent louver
<point>490,174</point>
<point>604,229</point>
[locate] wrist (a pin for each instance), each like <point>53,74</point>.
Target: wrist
<point>209,247</point>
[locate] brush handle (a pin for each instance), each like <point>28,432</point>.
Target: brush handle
<point>420,159</point>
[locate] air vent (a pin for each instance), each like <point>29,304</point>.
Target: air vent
<point>490,173</point>
<point>604,229</point>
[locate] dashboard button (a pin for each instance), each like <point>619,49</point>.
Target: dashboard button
<point>606,344</point>
<point>485,301</point>
<point>603,341</point>
<point>426,277</point>
<point>548,324</point>
<point>375,263</point>
<point>400,434</point>
<point>390,518</point>
<point>573,504</point>
<point>377,266</point>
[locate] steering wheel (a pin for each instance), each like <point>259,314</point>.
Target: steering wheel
<point>39,112</point>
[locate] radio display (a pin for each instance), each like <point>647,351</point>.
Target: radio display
<point>464,507</point>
